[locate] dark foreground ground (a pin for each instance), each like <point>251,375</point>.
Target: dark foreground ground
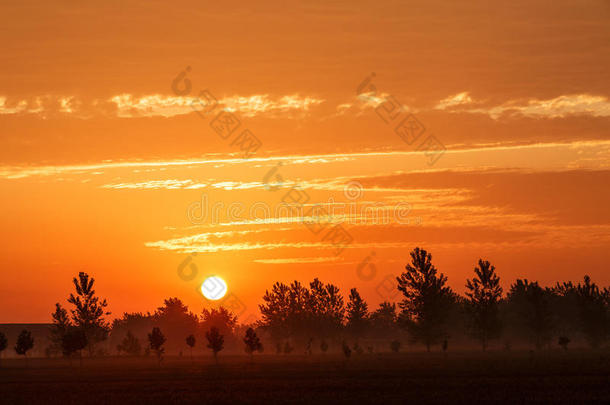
<point>573,377</point>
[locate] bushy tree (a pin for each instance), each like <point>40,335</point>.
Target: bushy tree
<point>593,311</point>
<point>156,340</point>
<point>323,346</point>
<point>484,294</point>
<point>252,342</point>
<point>222,319</point>
<point>326,309</point>
<point>395,346</point>
<point>384,317</point>
<point>72,341</point>
<point>25,342</point>
<point>130,345</point>
<point>216,341</point>
<point>427,300</point>
<point>296,312</point>
<point>529,305</point>
<point>176,321</point>
<point>357,314</point>
<point>89,311</point>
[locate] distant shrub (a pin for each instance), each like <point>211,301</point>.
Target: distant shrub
<point>288,348</point>
<point>347,352</point>
<point>395,346</point>
<point>564,341</point>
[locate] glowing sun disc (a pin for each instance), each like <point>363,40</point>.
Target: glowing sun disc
<point>214,288</point>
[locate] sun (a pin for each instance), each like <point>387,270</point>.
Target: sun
<point>214,288</point>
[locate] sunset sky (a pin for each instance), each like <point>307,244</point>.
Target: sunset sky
<point>106,158</point>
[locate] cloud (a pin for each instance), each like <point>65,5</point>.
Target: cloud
<point>300,260</point>
<point>455,100</point>
<point>158,105</point>
<point>558,107</point>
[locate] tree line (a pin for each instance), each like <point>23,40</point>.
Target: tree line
<point>316,316</point>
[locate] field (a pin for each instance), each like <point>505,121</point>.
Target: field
<point>575,376</point>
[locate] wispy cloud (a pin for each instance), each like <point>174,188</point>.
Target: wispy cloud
<point>558,107</point>
<point>158,105</point>
<point>456,100</point>
<point>300,260</point>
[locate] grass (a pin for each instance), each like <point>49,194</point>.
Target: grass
<point>552,376</point>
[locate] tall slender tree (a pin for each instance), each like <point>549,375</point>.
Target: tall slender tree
<point>190,342</point>
<point>593,311</point>
<point>427,299</point>
<point>59,328</point>
<point>216,341</point>
<point>3,343</point>
<point>156,340</point>
<point>357,314</point>
<point>484,294</point>
<point>89,311</point>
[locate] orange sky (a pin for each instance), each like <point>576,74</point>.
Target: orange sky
<point>101,161</point>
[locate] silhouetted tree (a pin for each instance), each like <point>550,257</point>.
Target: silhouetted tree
<point>216,341</point>
<point>564,341</point>
<point>357,314</point>
<point>190,341</point>
<point>89,311</point>
<point>176,321</point>
<point>484,294</point>
<point>530,305</point>
<point>395,346</point>
<point>296,311</point>
<point>323,346</point>
<point>276,312</point>
<point>252,342</point>
<point>156,340</point>
<point>130,345</point>
<point>564,304</point>
<point>73,340</point>
<point>593,311</point>
<point>326,309</point>
<point>25,342</point>
<point>427,299</point>
<point>3,343</point>
<point>384,317</point>
<point>221,319</point>
<point>60,326</point>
